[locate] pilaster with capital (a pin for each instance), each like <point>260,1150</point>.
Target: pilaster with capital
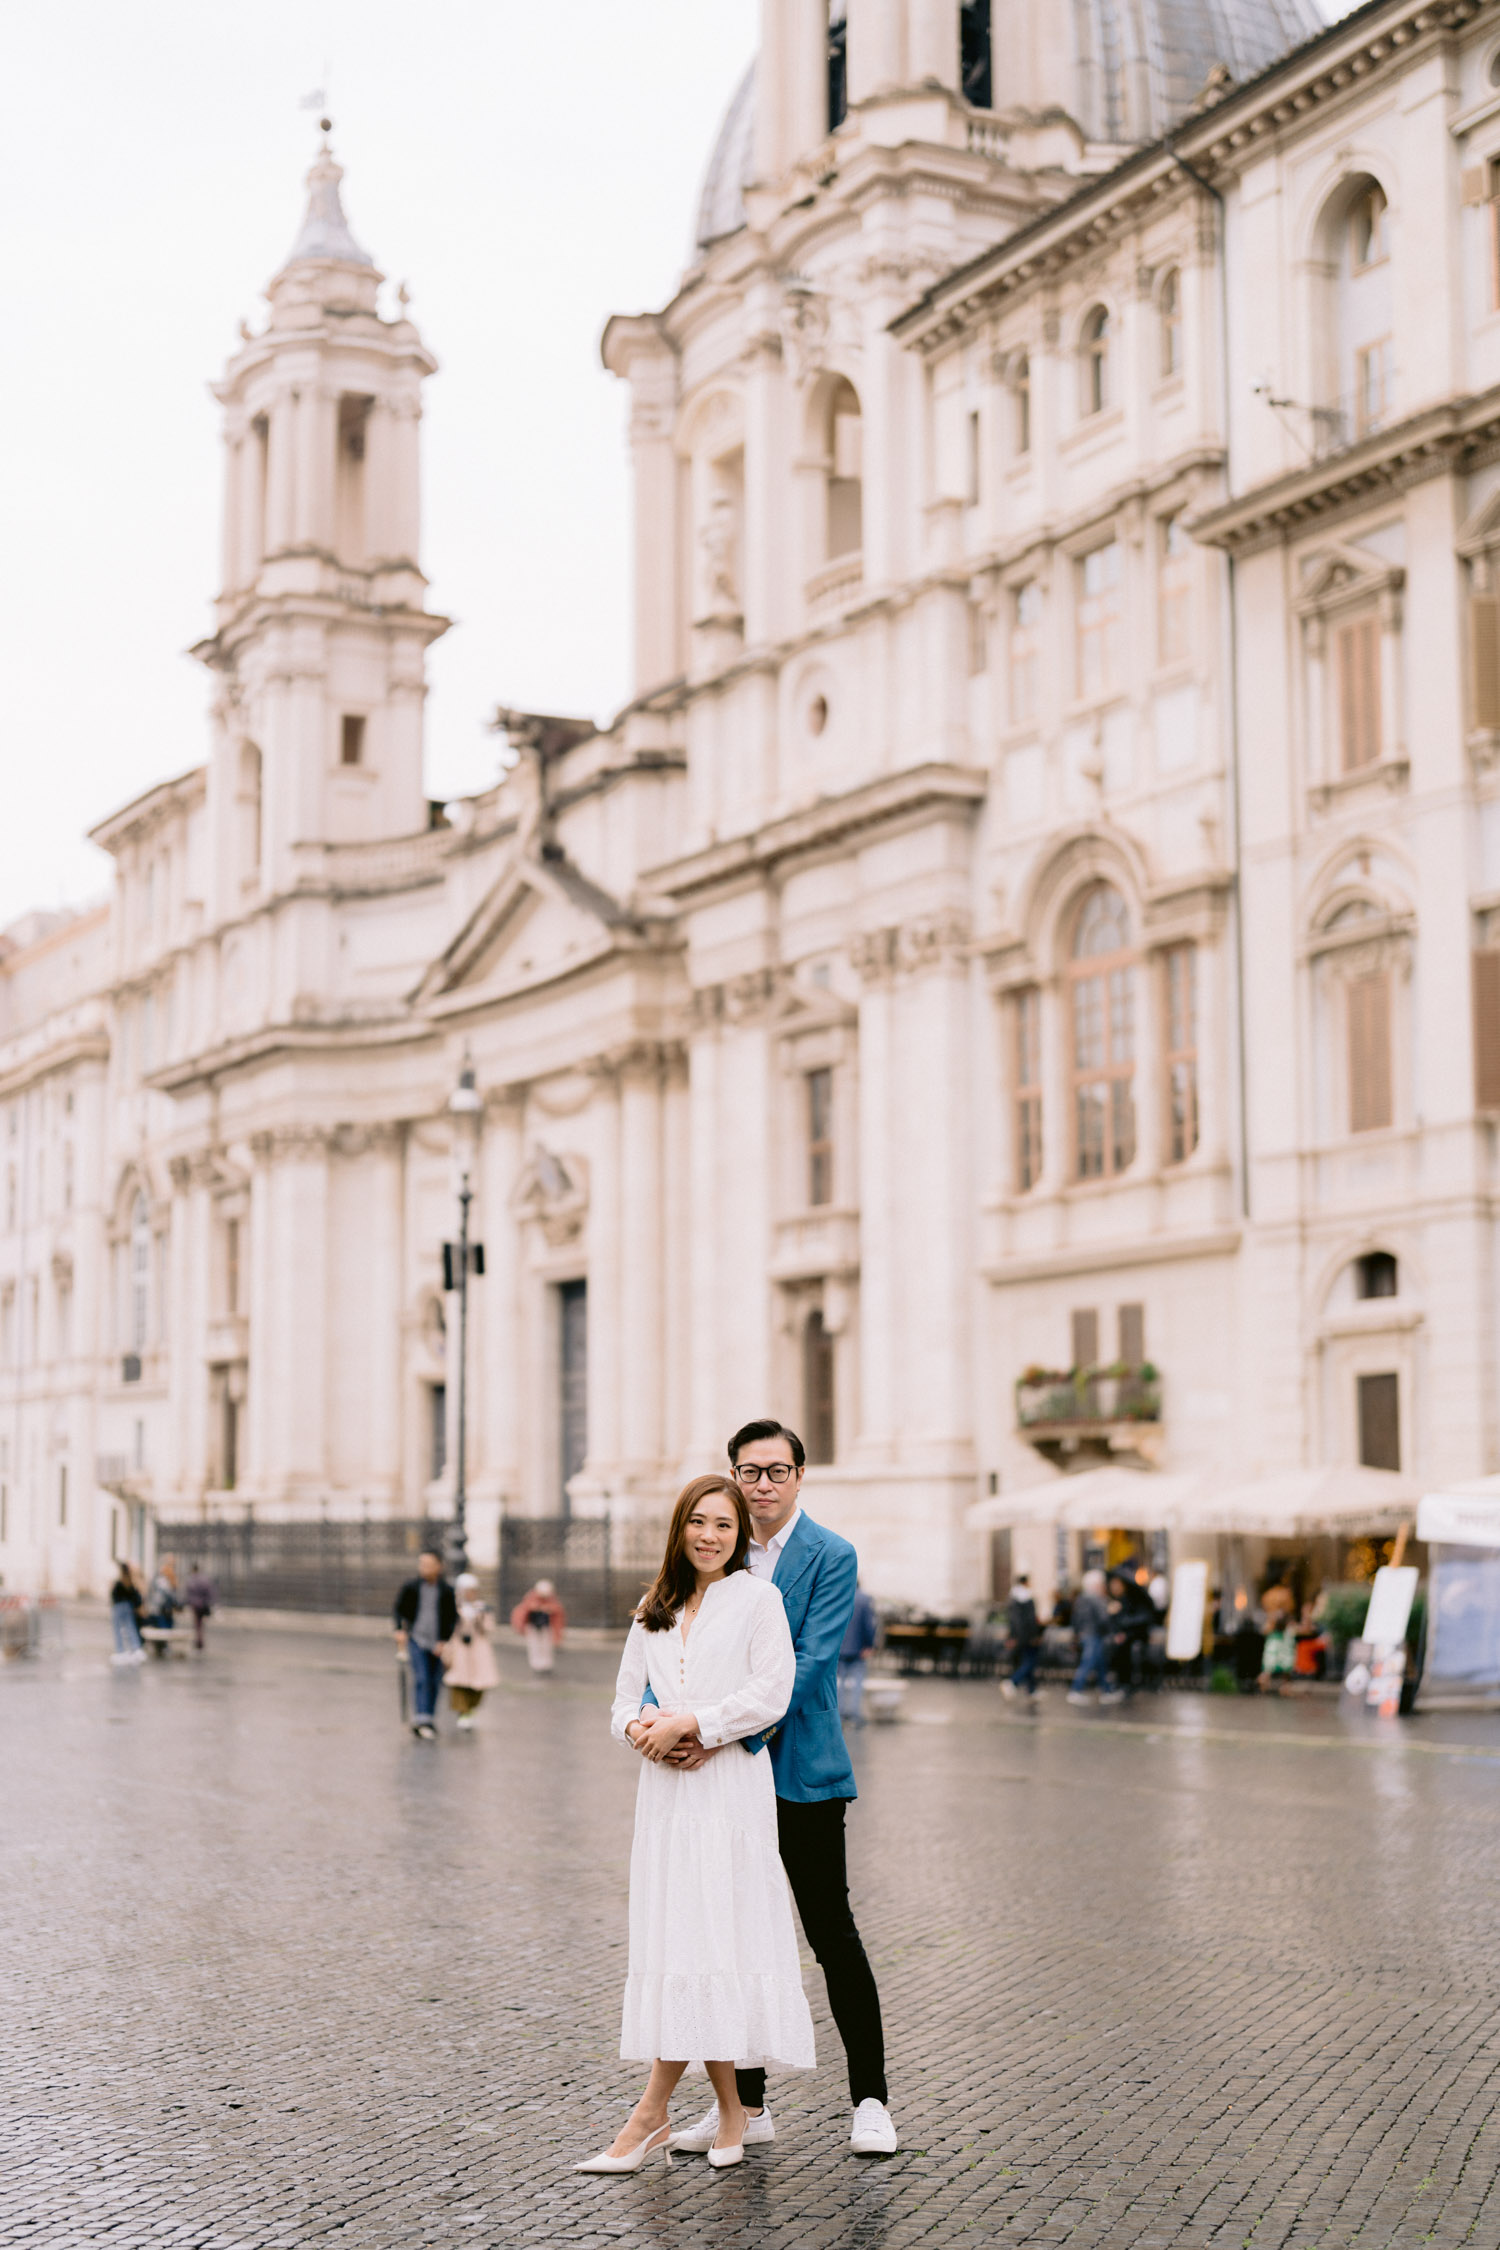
<point>499,1357</point>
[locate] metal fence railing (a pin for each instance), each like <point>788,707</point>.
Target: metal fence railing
<point>327,1564</point>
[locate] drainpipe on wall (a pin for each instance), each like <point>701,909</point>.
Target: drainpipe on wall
<point>1233,638</point>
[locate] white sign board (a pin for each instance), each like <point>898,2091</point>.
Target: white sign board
<point>1459,1519</point>
<point>1185,1617</point>
<point>1390,1606</point>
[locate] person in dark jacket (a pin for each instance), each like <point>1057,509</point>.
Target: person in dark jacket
<point>1024,1627</point>
<point>199,1591</point>
<point>125,1616</point>
<point>1091,1622</point>
<point>426,1616</point>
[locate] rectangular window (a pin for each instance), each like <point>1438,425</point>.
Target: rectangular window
<point>231,1463</point>
<point>1484,655</point>
<point>1028,1063</point>
<point>1357,672</point>
<point>1372,385</point>
<point>819,1137</point>
<point>1025,623</point>
<point>972,463</point>
<point>231,1266</point>
<point>818,1390</point>
<point>1487,1030</point>
<point>352,739</point>
<point>1181,969</point>
<point>1103,1070</point>
<point>1370,1102</point>
<point>1379,1401</point>
<point>573,1382</point>
<point>1173,591</point>
<point>437,1447</point>
<point>1131,1323</point>
<point>1084,1326</point>
<point>1098,585</point>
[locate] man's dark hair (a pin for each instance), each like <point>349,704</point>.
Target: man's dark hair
<point>753,1432</point>
<point>435,1552</point>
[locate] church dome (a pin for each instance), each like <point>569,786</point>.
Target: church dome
<point>1138,67</point>
<point>731,168</point>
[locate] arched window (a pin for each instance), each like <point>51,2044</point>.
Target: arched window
<point>1357,329</point>
<point>817,1389</point>
<point>1169,313</point>
<point>139,1315</point>
<point>838,63</point>
<point>843,457</point>
<point>1094,361</point>
<point>1101,977</point>
<point>975,54</point>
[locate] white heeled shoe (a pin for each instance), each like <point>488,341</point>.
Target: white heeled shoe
<point>722,2158</point>
<point>604,2162</point>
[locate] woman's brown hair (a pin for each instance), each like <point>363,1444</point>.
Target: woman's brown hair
<point>675,1581</point>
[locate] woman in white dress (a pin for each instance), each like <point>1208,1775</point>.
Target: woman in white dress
<point>714,1975</point>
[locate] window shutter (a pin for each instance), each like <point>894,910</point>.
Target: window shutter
<point>1086,1339</point>
<point>1132,1320</point>
<point>1484,631</point>
<point>1487,1030</point>
<point>1359,693</point>
<point>1379,1403</point>
<point>1370,1052</point>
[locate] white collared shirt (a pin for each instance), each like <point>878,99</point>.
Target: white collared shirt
<point>762,1560</point>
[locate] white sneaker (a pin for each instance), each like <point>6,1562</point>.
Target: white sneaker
<point>465,1720</point>
<point>1078,1695</point>
<point>699,2138</point>
<point>873,2132</point>
<point>1008,1690</point>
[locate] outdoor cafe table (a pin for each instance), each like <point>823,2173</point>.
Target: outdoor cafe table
<point>944,1644</point>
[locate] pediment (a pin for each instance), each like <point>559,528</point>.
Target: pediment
<point>539,920</point>
<point>803,1009</point>
<point>1342,572</point>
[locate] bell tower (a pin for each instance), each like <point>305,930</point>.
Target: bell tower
<point>321,634</point>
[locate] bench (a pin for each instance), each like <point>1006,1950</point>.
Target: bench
<point>162,1640</point>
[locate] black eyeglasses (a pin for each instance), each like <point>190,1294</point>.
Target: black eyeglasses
<point>778,1472</point>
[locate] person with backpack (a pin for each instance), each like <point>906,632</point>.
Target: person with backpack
<point>1025,1630</point>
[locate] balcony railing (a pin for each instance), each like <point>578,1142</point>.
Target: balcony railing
<point>1099,1410</point>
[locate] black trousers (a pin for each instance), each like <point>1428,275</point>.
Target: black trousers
<point>812,1852</point>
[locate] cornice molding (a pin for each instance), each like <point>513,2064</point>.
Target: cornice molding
<point>933,788</point>
<point>1458,436</point>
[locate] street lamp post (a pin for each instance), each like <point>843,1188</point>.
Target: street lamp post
<point>464,1107</point>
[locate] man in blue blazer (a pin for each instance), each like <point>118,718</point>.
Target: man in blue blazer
<point>817,1573</point>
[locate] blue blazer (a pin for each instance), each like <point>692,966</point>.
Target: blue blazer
<point>817,1573</point>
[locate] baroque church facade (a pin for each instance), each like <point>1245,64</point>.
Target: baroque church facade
<point>1033,934</point>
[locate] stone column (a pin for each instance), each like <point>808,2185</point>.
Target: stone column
<point>932,43</point>
<point>641,1261</point>
<point>604,1278</point>
<point>876,47</point>
<point>791,83</point>
<point>317,440</point>
<point>676,1226</point>
<point>257,1424</point>
<point>705,1275</point>
<point>878,1240</point>
<point>385,1218</point>
<point>281,470</point>
<point>498,1362</point>
<point>403,505</point>
<point>296,1364</point>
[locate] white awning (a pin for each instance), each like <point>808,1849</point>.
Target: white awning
<point>1294,1504</point>
<point>1462,1515</point>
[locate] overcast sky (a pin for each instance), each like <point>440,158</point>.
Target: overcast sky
<point>527,166</point>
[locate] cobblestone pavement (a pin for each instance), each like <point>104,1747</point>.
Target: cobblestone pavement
<point>1193,1973</point>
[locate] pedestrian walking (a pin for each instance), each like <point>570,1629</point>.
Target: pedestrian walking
<point>1025,1631</point>
<point>857,1643</point>
<point>714,1975</point>
<point>125,1617</point>
<point>200,1595</point>
<point>471,1660</point>
<point>426,1613</point>
<point>539,1618</point>
<point>1091,1624</point>
<point>163,1600</point>
<point>816,1574</point>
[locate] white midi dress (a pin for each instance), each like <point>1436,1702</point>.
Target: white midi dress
<point>714,1973</point>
